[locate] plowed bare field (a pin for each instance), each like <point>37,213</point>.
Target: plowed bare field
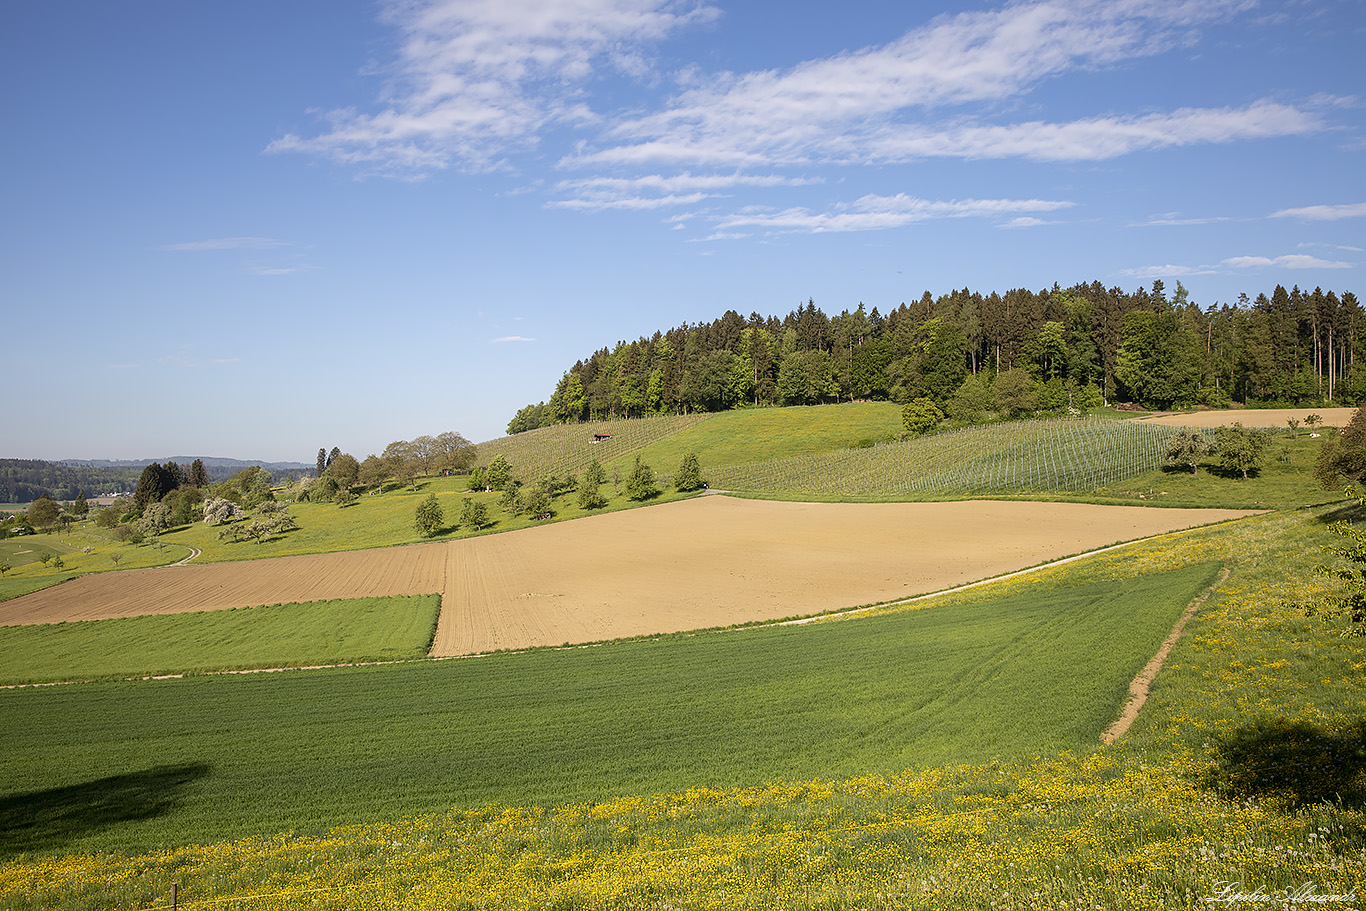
<point>706,562</point>
<point>1253,417</point>
<point>414,570</point>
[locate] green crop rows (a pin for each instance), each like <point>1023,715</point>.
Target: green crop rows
<point>1041,455</point>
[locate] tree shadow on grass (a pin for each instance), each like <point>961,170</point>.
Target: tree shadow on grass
<point>41,821</point>
<point>1293,761</point>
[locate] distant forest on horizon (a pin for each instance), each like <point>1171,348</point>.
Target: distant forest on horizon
<point>1160,351</point>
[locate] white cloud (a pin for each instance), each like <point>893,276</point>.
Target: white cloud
<point>228,243</point>
<point>871,105</point>
<point>874,212</point>
<point>475,78</point>
<point>1289,261</point>
<point>512,338</point>
<point>1167,271</point>
<point>1174,219</point>
<point>674,190</point>
<point>1237,264</point>
<point>1324,213</point>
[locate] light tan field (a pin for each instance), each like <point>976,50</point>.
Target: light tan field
<point>1253,417</point>
<point>699,563</point>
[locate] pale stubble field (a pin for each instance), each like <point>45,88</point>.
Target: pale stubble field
<point>706,562</point>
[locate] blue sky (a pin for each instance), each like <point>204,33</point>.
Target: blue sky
<point>253,229</point>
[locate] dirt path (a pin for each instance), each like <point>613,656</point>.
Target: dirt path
<point>1138,689</point>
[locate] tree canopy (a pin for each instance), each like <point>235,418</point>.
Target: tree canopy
<point>1070,346</point>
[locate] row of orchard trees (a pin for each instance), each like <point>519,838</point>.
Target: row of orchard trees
<point>1291,347</point>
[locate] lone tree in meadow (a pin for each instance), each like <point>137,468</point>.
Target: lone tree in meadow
<point>473,513</point>
<point>429,516</point>
<point>1186,448</point>
<point>590,497</point>
<point>1239,448</point>
<point>498,474</point>
<point>641,484</point>
<point>689,475</point>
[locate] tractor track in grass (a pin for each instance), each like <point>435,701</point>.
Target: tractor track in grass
<point>1138,689</point>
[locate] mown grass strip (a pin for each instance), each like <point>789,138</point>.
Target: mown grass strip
<point>1041,671</point>
<point>280,635</point>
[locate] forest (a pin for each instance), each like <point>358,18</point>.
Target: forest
<point>1078,346</point>
<point>25,480</point>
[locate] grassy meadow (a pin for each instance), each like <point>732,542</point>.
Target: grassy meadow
<point>1042,670</point>
<point>943,754</point>
<point>323,632</point>
<point>783,771</point>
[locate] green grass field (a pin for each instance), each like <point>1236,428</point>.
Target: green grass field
<point>322,632</point>
<point>1041,671</point>
<point>941,757</point>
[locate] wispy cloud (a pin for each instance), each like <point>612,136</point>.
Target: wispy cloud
<point>874,212</point>
<point>887,103</point>
<point>512,338</point>
<point>1324,213</point>
<point>1237,264</point>
<point>1175,219</point>
<point>227,243</point>
<point>655,191</point>
<point>475,79</point>
<point>1289,261</point>
<point>1168,271</point>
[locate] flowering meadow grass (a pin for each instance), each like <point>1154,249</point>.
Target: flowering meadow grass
<point>1243,774</point>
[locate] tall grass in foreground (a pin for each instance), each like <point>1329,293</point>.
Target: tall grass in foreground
<point>1074,455</point>
<point>1206,790</point>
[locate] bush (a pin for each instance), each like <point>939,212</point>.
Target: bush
<point>920,416</point>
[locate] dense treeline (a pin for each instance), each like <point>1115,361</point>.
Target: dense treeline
<point>1294,347</point>
<point>26,480</point>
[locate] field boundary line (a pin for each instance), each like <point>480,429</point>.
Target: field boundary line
<point>1140,685</point>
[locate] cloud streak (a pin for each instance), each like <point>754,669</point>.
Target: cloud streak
<point>1324,213</point>
<point>227,243</point>
<point>874,212</point>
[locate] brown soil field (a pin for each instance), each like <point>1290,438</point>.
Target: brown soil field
<point>215,586</point>
<point>1253,417</point>
<point>712,561</point>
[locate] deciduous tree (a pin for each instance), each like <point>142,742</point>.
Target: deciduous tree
<point>1239,448</point>
<point>498,474</point>
<point>1186,448</point>
<point>429,516</point>
<point>43,512</point>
